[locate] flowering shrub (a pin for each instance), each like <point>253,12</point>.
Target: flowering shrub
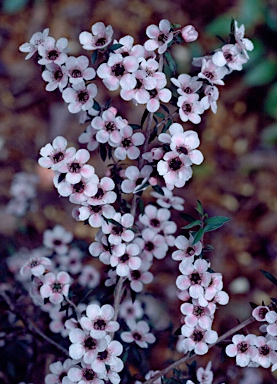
<point>156,154</point>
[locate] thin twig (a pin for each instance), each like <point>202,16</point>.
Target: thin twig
<point>30,325</point>
<point>188,356</point>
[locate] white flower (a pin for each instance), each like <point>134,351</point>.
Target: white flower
<point>37,39</point>
<point>139,333</point>
<point>101,36</point>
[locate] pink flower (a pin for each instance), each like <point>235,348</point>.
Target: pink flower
<point>108,126</point>
<point>139,333</point>
<point>266,349</point>
<point>128,49</point>
<point>109,357</point>
<point>80,97</point>
<point>89,277</point>
<point>98,320</point>
<point>186,249</point>
<point>52,51</point>
<point>230,55</point>
<point>212,94</point>
<point>80,192</point>
<point>57,239</point>
<point>128,145</point>
<point>55,155</point>
<point>155,244</point>
<point>154,218</point>
<point>205,376</point>
<point>167,200</point>
<point>55,287</point>
<point>156,94</point>
<point>259,313</point>
<point>140,276</point>
<point>243,348</point>
<point>160,36</point>
<point>84,374</point>
<point>130,310</point>
<point>135,179</point>
<point>196,315</point>
<point>101,36</point>
<point>37,39</point>
<point>186,142</point>
<point>125,258</point>
<point>244,44</point>
<point>271,318</point>
<point>58,372</point>
<point>197,339</point>
<point>84,346</point>
<point>76,168</point>
<point>77,69</point>
<point>118,71</point>
<point>211,72</point>
<point>175,169</point>
<point>186,84</point>
<point>89,137</point>
<point>35,265</point>
<point>190,108</point>
<point>55,76</point>
<point>189,33</point>
<point>194,277</point>
<point>119,231</point>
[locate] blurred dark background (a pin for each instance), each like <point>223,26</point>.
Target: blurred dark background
<point>237,179</point>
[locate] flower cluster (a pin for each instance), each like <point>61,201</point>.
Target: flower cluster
<point>201,291</point>
<point>131,236</point>
<point>23,191</point>
<point>252,350</point>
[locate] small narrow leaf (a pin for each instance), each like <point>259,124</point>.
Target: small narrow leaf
<point>144,116</point>
<point>103,151</point>
<point>171,63</point>
<point>114,222</point>
<point>198,236</point>
<point>114,47</point>
<point>212,223</point>
<point>141,206</point>
<point>193,224</point>
<point>61,177</point>
<point>199,208</point>
<point>158,189</point>
<point>269,276</point>
<point>135,126</point>
<point>187,217</point>
<point>164,108</point>
<point>159,114</point>
<point>94,56</point>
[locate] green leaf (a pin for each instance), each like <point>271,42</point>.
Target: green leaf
<point>187,217</point>
<point>165,108</point>
<point>271,101</point>
<point>212,223</point>
<point>135,126</point>
<point>193,224</point>
<point>159,114</point>
<point>219,26</point>
<point>94,56</point>
<point>269,276</point>
<point>198,236</point>
<point>167,125</point>
<point>141,206</point>
<point>103,151</point>
<point>143,186</point>
<point>96,106</point>
<point>144,116</point>
<point>262,73</point>
<point>158,189</point>
<point>114,47</point>
<point>170,61</point>
<point>199,208</point>
<point>13,6</point>
<point>153,134</point>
